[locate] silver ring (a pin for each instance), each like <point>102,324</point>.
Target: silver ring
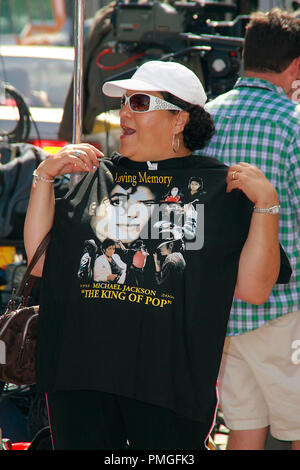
<point>76,153</point>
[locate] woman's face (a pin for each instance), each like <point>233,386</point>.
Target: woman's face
<point>146,136</point>
<point>124,215</point>
<point>194,186</point>
<point>109,251</point>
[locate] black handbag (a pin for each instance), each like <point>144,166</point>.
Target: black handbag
<point>18,330</point>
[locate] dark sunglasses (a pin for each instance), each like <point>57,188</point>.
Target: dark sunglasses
<point>142,103</point>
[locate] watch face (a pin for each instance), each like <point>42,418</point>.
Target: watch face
<point>274,210</point>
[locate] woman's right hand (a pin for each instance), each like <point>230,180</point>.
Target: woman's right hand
<point>41,206</point>
<point>70,159</point>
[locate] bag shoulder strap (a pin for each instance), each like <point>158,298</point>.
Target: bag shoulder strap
<point>27,281</point>
<point>37,255</point>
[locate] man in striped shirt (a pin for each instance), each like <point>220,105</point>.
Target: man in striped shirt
<point>259,380</point>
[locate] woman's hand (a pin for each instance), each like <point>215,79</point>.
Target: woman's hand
<point>112,277</point>
<point>250,180</point>
<point>41,206</point>
<point>70,159</point>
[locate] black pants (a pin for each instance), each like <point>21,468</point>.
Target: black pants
<point>91,420</point>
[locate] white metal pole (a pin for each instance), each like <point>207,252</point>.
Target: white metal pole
<point>77,81</point>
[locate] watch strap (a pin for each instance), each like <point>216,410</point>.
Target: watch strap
<point>269,210</point>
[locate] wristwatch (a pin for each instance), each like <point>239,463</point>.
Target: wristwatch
<point>270,210</point>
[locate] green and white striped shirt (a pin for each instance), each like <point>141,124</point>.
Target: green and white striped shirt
<point>257,123</point>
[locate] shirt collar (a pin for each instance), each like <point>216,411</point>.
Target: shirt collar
<point>259,83</point>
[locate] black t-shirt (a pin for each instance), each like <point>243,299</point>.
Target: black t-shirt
<point>156,336</point>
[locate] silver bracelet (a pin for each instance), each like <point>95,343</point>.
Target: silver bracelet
<point>37,178</point>
<point>269,210</point>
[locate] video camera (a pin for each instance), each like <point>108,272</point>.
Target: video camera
<point>183,31</point>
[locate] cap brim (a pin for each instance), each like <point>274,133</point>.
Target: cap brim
<point>166,242</point>
<point>118,87</point>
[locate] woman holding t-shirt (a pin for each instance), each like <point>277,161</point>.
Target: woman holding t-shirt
<point>127,366</point>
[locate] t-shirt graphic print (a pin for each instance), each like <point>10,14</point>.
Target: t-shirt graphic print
<point>142,228</point>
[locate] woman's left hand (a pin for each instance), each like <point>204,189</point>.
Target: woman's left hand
<point>251,180</point>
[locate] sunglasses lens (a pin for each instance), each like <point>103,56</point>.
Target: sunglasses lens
<point>139,102</point>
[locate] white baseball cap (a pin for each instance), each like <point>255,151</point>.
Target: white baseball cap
<point>156,75</point>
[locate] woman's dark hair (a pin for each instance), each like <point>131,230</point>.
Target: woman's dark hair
<point>108,242</point>
<point>197,179</point>
<point>200,128</point>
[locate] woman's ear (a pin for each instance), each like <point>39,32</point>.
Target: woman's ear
<point>181,120</point>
